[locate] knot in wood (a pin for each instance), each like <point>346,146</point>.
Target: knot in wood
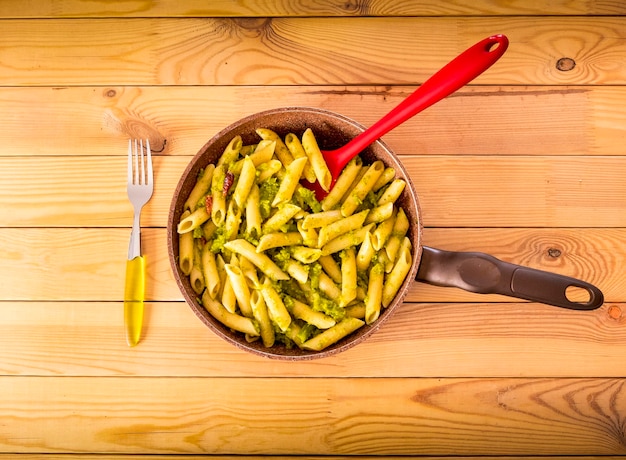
<point>554,253</point>
<point>615,312</point>
<point>565,64</point>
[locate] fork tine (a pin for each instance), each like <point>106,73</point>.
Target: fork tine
<point>149,155</point>
<point>129,178</point>
<point>136,157</point>
<point>141,159</point>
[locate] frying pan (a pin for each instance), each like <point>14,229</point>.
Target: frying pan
<point>471,271</point>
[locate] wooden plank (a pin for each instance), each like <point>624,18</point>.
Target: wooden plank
<point>494,340</point>
<point>303,8</point>
<point>571,120</point>
<point>340,417</point>
<point>296,51</point>
<point>60,263</point>
<point>282,457</point>
<point>455,191</point>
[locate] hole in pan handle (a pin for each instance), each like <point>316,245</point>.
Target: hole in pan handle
<point>485,274</point>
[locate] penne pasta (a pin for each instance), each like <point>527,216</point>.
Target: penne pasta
<point>373,300</point>
<point>218,201</point>
<point>289,182</point>
<point>345,241</point>
<point>297,151</point>
<point>391,194</point>
<point>249,272</point>
<point>386,177</point>
<point>340,227</point>
<point>193,220</point>
<point>259,310</point>
<point>398,273</point>
<point>196,277</point>
<point>267,170</point>
<point>231,320</point>
<point>263,263</point>
<point>202,187</point>
<point>281,151</point>
<point>348,276</point>
<point>262,153</point>
<point>247,149</point>
<point>233,220</point>
<point>228,298</point>
<point>278,239</point>
<point>380,213</point>
<point>333,335</point>
<point>280,217</point>
<point>276,308</point>
<point>211,275</point>
<point>314,154</point>
<point>321,219</point>
<point>365,254</point>
<point>253,212</point>
<point>331,267</point>
<point>309,237</point>
<point>230,154</point>
<point>296,271</point>
<point>382,232</point>
<point>400,227</point>
<point>304,312</point>
<point>245,182</point>
<point>240,288</point>
<point>328,287</point>
<point>356,310</point>
<point>185,250</point>
<point>344,181</point>
<point>362,188</point>
<point>305,255</point>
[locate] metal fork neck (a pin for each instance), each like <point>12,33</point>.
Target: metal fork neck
<point>134,247</point>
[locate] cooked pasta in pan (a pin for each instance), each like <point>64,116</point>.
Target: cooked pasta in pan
<point>268,260</point>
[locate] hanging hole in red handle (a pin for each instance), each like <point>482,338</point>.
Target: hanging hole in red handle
<point>495,42</point>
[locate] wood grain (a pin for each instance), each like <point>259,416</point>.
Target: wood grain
<point>87,264</point>
<point>439,340</point>
<point>463,191</point>
<point>526,163</point>
<point>485,120</point>
<point>281,457</point>
<point>251,8</point>
<point>297,51</point>
<point>265,415</point>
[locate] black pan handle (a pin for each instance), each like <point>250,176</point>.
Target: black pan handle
<point>485,274</point>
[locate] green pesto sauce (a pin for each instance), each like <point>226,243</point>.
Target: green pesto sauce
<point>307,331</point>
<point>219,239</point>
<point>327,306</point>
<point>268,190</point>
<point>305,198</point>
<point>370,201</point>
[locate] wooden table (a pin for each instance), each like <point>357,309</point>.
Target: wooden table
<point>527,163</point>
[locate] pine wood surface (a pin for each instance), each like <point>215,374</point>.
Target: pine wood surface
<point>301,51</point>
<point>527,164</point>
<point>252,8</point>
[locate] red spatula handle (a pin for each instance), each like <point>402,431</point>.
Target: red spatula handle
<point>457,73</point>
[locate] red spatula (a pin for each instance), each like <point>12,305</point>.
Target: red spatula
<point>457,73</point>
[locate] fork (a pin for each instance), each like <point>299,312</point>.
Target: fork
<point>140,187</point>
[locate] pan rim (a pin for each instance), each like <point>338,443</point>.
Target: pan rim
<point>202,158</point>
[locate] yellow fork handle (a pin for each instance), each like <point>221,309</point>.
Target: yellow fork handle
<point>133,299</point>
